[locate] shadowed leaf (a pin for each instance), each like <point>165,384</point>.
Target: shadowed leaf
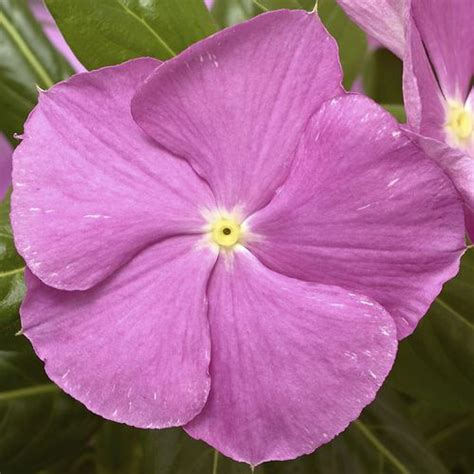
<point>27,60</point>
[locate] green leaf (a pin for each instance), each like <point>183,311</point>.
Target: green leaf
<point>11,283</point>
<point>453,443</point>
<point>397,110</point>
<point>290,4</point>
<point>352,41</point>
<point>40,424</point>
<point>449,435</point>
<point>382,77</point>
<point>124,450</point>
<point>436,363</point>
<point>230,12</point>
<point>83,463</point>
<point>27,60</point>
<point>119,449</point>
<point>119,30</point>
<point>172,451</point>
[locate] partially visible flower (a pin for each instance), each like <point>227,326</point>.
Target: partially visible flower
<point>436,40</point>
<point>5,165</point>
<point>438,88</point>
<point>384,20</point>
<point>245,269</point>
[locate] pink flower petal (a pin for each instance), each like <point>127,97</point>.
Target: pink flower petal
<point>293,363</point>
<point>136,348</point>
<point>459,167</point>
<point>364,209</point>
<point>236,103</point>
<point>5,165</point>
<point>90,189</point>
<point>424,100</point>
<point>447,32</point>
<point>382,19</point>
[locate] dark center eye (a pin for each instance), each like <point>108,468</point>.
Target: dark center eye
<point>226,231</point>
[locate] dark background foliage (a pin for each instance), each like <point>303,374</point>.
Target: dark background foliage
<point>422,420</point>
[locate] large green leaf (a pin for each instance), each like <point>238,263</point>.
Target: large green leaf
<point>453,443</point>
<point>450,435</point>
<point>39,424</point>
<point>11,283</point>
<point>27,60</point>
<point>436,363</point>
<point>112,31</point>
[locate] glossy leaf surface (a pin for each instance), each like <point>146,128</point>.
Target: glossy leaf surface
<point>124,29</point>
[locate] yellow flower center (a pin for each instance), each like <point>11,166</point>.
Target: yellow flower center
<point>460,122</point>
<point>226,232</point>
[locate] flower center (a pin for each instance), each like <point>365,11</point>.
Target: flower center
<point>226,232</point>
<point>460,122</point>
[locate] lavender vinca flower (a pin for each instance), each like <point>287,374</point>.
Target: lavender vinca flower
<point>439,88</point>
<point>235,248</point>
<point>435,39</point>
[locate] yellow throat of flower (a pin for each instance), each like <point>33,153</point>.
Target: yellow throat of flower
<point>226,232</point>
<point>460,122</point>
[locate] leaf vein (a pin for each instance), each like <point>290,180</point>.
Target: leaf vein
<point>381,447</point>
<point>26,51</point>
<point>148,27</point>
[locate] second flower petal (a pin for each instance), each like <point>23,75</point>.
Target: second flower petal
<point>364,209</point>
<point>90,188</point>
<point>293,363</point>
<point>235,104</point>
<point>136,348</point>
